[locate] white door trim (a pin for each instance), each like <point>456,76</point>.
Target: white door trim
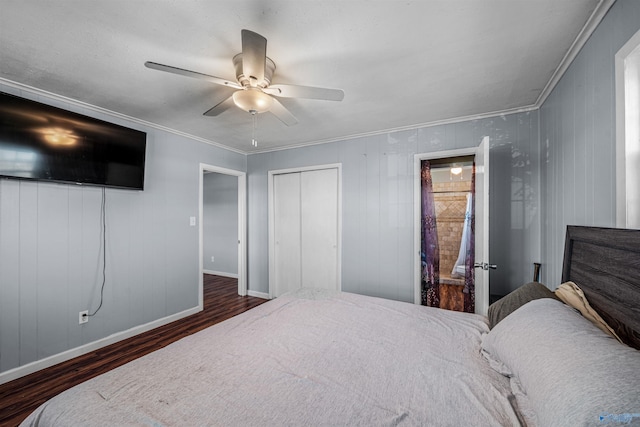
<point>627,131</point>
<point>242,227</point>
<point>417,207</point>
<point>271,175</point>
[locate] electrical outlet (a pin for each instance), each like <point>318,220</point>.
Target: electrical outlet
<point>213,259</point>
<point>83,317</point>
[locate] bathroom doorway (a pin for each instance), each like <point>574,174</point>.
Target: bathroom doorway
<point>458,173</point>
<point>452,185</point>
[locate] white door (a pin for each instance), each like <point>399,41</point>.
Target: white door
<point>319,228</point>
<point>304,230</point>
<point>287,227</point>
<point>482,227</point>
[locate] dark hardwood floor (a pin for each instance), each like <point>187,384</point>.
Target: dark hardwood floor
<point>20,397</point>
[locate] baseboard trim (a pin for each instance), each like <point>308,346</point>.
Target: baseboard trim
<point>221,273</point>
<point>258,294</point>
<point>30,368</point>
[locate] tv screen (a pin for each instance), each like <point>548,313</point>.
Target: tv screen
<point>46,143</point>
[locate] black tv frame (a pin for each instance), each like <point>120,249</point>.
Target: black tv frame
<point>45,143</point>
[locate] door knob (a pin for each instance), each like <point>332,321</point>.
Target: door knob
<point>484,265</point>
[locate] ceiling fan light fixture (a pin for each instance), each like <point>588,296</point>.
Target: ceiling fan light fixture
<point>252,100</point>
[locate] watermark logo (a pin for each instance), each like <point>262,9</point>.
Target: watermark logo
<point>626,418</point>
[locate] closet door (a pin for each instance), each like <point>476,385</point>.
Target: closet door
<point>286,206</point>
<point>319,228</point>
<point>305,230</point>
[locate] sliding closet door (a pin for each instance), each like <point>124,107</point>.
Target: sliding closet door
<point>305,225</point>
<point>286,206</point>
<point>319,231</point>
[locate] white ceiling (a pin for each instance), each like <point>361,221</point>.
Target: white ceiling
<point>401,64</point>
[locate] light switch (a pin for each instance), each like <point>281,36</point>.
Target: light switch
<point>192,221</point>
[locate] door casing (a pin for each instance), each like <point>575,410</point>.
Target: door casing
<point>482,291</point>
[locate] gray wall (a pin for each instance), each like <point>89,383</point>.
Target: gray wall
<point>50,248</point>
<point>49,234</point>
<point>377,177</point>
<point>577,133</point>
<point>220,223</point>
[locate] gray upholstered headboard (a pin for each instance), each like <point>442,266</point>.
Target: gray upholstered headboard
<point>605,264</point>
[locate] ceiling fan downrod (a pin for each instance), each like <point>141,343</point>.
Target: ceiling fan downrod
<point>254,119</point>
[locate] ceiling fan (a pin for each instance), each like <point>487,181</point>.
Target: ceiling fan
<point>255,93</point>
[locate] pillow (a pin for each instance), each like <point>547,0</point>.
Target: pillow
<point>570,294</point>
<point>567,371</point>
<point>511,302</point>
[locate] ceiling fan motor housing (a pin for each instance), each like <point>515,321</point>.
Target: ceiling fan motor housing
<point>245,81</point>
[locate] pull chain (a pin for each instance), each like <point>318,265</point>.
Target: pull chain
<point>254,119</point>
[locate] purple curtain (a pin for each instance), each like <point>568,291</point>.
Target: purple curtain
<point>430,286</point>
<point>469,271</point>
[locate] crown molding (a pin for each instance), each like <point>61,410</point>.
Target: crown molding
<point>96,109</point>
<point>402,128</point>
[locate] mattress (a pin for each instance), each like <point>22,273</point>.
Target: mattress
<point>313,357</point>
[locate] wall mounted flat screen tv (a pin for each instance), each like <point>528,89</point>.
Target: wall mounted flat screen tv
<point>46,143</point>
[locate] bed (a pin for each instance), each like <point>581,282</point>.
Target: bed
<point>317,357</point>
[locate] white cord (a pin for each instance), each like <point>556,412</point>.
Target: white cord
<point>254,115</point>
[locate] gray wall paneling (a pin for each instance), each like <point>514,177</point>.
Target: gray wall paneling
<point>50,247</point>
<point>577,133</point>
<point>220,223</point>
<point>377,180</point>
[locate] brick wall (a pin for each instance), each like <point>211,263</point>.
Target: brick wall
<point>451,203</point>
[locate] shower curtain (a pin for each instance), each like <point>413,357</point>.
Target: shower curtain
<point>470,272</point>
<point>430,253</point>
<point>463,267</point>
<point>460,266</point>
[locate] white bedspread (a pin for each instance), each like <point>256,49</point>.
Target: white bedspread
<point>314,358</point>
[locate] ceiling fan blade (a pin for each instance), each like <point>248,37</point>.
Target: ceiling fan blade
<point>219,108</point>
<point>282,113</point>
<point>193,74</point>
<point>308,92</point>
<point>254,55</point>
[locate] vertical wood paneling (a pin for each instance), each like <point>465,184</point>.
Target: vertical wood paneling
<point>158,218</point>
<point>27,265</point>
<point>378,180</point>
<point>371,218</point>
<point>591,176</point>
<point>353,208</point>
<point>580,142</point>
<point>51,310</point>
<point>50,249</point>
<point>407,147</point>
<point>117,307</point>
<point>75,303</point>
<point>604,117</point>
<point>140,272</point>
<point>387,202</point>
<point>577,123</point>
<point>9,274</point>
<point>257,229</point>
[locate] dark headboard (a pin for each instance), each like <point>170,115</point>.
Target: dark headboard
<point>605,264</point>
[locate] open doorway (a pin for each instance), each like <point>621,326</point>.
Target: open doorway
<point>452,194</point>
<point>222,232</point>
<point>464,267</point>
